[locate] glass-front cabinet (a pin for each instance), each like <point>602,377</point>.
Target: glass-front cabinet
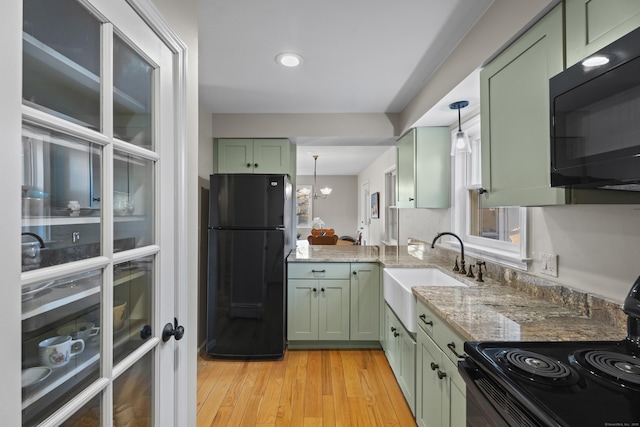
<point>91,223</point>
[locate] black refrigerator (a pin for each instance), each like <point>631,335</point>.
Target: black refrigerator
<point>250,218</point>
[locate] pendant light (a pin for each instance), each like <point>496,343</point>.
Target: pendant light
<point>326,191</point>
<point>460,144</point>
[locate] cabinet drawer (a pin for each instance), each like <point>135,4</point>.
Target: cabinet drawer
<point>314,270</point>
<point>448,340</point>
<point>426,319</point>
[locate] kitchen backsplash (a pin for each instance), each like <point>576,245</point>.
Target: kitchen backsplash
<point>590,305</point>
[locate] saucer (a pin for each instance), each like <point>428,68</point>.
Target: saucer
<point>31,376</point>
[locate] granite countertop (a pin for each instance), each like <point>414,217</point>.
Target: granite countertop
<point>493,310</point>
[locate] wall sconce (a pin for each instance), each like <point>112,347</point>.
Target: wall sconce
<point>460,144</point>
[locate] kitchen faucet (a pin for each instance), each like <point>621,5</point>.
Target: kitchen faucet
<point>462,269</point>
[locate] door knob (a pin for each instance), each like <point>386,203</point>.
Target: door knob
<point>145,332</point>
<point>172,330</point>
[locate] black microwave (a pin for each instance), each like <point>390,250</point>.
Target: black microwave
<point>595,120</point>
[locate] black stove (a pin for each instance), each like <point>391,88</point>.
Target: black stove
<point>571,384</point>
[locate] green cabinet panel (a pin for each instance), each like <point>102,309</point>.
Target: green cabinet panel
<point>254,156</point>
<point>333,310</point>
<point>302,319</point>
<point>423,167</point>
<point>514,95</point>
<point>365,301</point>
<point>429,388</point>
<point>593,24</point>
<point>440,390</point>
<point>317,310</point>
<point>392,345</point>
<point>400,351</point>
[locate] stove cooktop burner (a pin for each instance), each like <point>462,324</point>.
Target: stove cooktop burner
<point>537,367</point>
<point>615,367</point>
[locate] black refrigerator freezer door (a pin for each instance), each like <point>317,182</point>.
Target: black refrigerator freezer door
<point>246,299</point>
<point>248,201</point>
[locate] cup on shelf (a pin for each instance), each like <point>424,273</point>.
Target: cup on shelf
<point>81,330</point>
<point>56,352</point>
<point>119,314</point>
<point>74,206</point>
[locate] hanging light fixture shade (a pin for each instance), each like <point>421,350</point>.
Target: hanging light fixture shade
<point>460,144</point>
<point>326,191</point>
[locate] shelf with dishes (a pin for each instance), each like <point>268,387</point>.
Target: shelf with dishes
<point>44,297</point>
<point>40,380</point>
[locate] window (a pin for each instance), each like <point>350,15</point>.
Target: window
<point>497,234</point>
<point>391,221</point>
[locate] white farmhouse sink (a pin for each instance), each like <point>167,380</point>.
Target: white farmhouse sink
<point>397,284</point>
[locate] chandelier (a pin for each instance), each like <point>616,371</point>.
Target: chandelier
<point>326,191</point>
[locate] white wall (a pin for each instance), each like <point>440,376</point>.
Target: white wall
<point>598,246</point>
<point>205,146</point>
<point>338,211</point>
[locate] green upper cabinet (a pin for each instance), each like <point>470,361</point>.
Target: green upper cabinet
<point>423,168</point>
<point>514,95</point>
<point>593,24</point>
<point>254,156</point>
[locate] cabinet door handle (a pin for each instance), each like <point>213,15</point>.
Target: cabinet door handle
<point>452,347</point>
<point>255,165</point>
<point>434,366</point>
<point>315,290</point>
<point>411,199</point>
<point>248,165</point>
<point>318,271</point>
<point>441,374</point>
<point>423,317</point>
<point>395,334</point>
<point>322,289</point>
<point>393,329</point>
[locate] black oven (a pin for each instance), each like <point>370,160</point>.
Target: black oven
<point>559,384</point>
<point>595,120</point>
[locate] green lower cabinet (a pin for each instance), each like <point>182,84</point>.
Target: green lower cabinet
<point>318,310</point>
<point>400,351</point>
<point>365,301</point>
<point>440,390</point>
<point>333,305</point>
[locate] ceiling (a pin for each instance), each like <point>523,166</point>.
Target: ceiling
<point>359,56</point>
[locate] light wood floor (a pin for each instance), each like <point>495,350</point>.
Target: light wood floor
<point>306,388</point>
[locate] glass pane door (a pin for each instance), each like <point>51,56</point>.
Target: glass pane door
<point>97,113</point>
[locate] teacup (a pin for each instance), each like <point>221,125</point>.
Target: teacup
<point>56,352</point>
<point>81,330</point>
<point>119,314</point>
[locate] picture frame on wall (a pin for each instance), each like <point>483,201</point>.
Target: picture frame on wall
<point>303,206</point>
<point>375,205</point>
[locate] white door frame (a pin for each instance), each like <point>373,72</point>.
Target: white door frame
<point>185,353</point>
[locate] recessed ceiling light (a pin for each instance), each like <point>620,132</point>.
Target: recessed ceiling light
<point>289,59</point>
<point>595,61</point>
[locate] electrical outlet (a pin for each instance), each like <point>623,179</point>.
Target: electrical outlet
<point>549,264</point>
